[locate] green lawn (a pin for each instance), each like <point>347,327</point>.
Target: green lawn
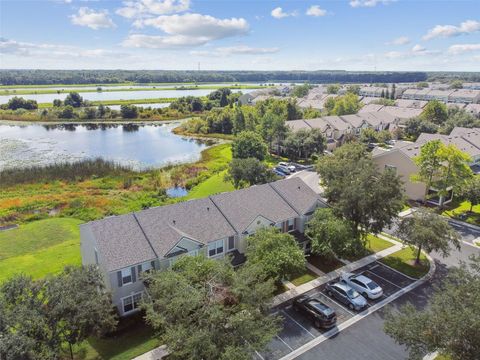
<point>40,247</point>
<point>213,185</point>
<point>403,261</point>
<point>304,278</point>
<point>376,244</point>
<point>455,209</point>
<point>135,339</point>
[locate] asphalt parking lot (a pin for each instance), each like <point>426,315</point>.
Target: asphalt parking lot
<point>299,330</point>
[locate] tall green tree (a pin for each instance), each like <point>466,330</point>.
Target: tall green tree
<point>302,144</point>
<point>249,144</point>
<point>427,231</point>
<point>40,316</point>
<point>428,163</point>
<point>249,171</point>
<point>203,309</point>
<point>276,252</point>
<point>73,99</point>
<point>454,170</point>
<point>331,235</point>
<point>471,191</point>
<point>450,322</point>
<point>358,191</point>
<point>435,112</point>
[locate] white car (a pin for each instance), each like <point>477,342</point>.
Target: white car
<point>364,285</point>
<point>291,168</point>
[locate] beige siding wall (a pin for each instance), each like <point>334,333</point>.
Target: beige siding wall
<point>405,168</point>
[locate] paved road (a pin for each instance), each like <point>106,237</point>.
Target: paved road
<point>366,339</point>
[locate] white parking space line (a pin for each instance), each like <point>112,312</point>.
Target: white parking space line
<point>258,354</point>
<point>381,277</point>
<point>279,338</point>
<point>296,322</point>
<point>342,306</point>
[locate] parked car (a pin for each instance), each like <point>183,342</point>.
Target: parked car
<point>283,169</point>
<point>346,295</point>
<point>322,315</point>
<point>364,285</point>
<point>279,173</point>
<point>290,167</point>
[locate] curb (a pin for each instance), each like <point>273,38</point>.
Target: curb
<point>304,348</point>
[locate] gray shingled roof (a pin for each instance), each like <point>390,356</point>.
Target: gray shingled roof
<point>243,206</point>
<point>142,236</point>
<point>198,220</point>
<point>298,194</point>
<point>120,241</point>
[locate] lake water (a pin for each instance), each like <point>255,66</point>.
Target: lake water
<point>138,146</point>
<point>117,95</point>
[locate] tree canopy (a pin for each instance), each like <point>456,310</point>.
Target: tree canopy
<point>358,191</point>
<point>249,171</point>
<point>203,309</point>
<point>38,317</point>
<point>331,235</point>
<point>427,231</point>
<point>449,323</point>
<point>276,252</point>
<point>249,144</point>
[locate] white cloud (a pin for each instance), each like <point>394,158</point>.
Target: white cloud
<point>139,8</point>
<point>368,3</point>
<point>278,13</point>
<point>93,19</point>
<point>463,48</point>
<point>235,50</point>
<point>19,48</point>
<point>162,42</point>
<point>186,30</point>
<point>402,40</point>
<point>418,49</point>
<point>466,27</point>
<point>316,11</point>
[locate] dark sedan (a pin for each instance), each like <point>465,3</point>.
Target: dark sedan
<point>321,315</point>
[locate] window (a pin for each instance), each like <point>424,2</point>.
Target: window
<point>127,304</point>
<point>215,248</point>
<point>231,243</point>
<point>126,276</point>
<point>291,224</point>
<point>131,302</point>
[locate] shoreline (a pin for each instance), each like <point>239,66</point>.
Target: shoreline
<point>92,121</point>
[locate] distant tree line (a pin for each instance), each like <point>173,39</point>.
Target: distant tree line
<point>46,77</point>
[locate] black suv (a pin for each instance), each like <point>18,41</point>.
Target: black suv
<point>322,315</point>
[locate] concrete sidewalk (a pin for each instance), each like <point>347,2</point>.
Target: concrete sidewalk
<point>290,294</point>
<point>155,354</point>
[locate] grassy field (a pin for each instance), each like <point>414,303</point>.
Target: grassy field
<point>40,247</point>
<point>213,185</point>
<point>304,278</point>
<point>376,244</point>
<point>120,102</point>
<point>112,89</point>
<point>455,209</point>
<point>96,197</point>
<point>403,261</point>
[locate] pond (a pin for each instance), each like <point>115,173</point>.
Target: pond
<point>116,95</point>
<point>137,145</point>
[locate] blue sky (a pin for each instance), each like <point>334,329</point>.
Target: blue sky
<point>244,35</point>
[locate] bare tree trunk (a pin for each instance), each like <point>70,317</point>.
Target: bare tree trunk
<point>417,260</point>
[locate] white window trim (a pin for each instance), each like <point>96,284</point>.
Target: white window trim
<point>124,276</point>
<point>216,243</point>
<point>133,303</point>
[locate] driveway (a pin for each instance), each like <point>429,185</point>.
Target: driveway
<point>299,335</point>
